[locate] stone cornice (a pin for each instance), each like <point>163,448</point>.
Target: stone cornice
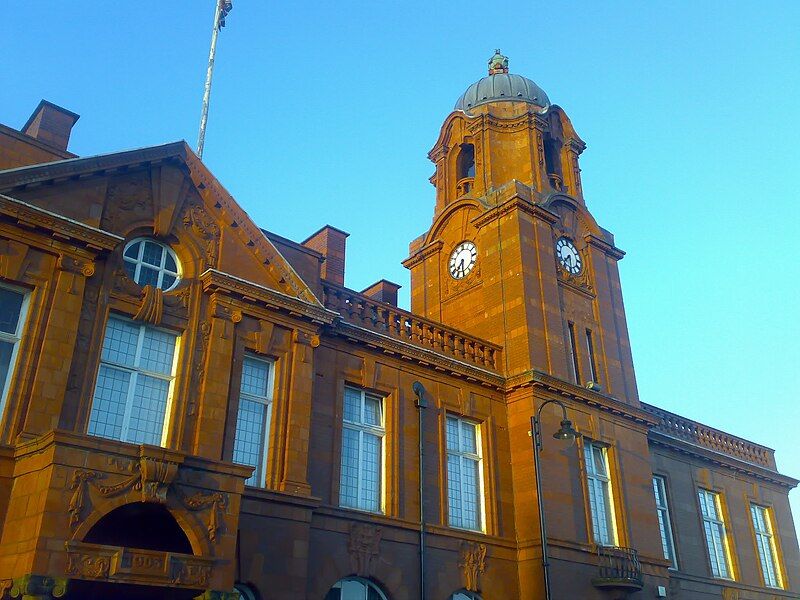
<point>419,355</point>
<point>214,280</point>
<point>423,253</point>
<point>604,246</point>
<point>65,169</point>
<point>515,203</point>
<point>720,459</point>
<point>58,225</point>
<point>580,394</point>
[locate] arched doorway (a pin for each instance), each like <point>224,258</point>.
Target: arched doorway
<point>355,588</point>
<point>142,525</point>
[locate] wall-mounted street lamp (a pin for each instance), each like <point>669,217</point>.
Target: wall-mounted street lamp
<point>565,432</point>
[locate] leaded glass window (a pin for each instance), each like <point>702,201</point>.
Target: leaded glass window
<point>600,495</point>
<point>664,521</point>
<point>464,489</point>
<point>765,544</point>
<point>250,444</point>
<point>715,532</point>
<point>132,393</point>
<point>363,431</point>
<point>12,318</point>
<point>148,262</point>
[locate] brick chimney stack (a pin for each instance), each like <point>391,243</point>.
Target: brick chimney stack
<point>51,124</point>
<point>330,242</point>
<point>383,291</point>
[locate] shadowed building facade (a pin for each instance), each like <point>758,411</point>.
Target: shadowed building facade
<point>195,407</point>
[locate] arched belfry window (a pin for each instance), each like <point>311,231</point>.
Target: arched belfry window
<point>465,166</point>
<point>552,162</point>
<point>355,588</point>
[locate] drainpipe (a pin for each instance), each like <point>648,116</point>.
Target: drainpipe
<point>419,392</point>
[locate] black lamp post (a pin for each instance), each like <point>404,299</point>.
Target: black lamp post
<point>565,432</point>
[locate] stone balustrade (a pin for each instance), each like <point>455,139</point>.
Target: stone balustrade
<point>402,325</point>
<point>685,429</point>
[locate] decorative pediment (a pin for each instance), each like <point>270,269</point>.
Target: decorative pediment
<point>165,192</point>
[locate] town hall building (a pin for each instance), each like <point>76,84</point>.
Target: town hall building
<point>192,406</point>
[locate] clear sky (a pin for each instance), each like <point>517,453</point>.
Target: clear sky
<point>323,112</point>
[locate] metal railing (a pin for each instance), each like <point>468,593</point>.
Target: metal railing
<point>618,567</point>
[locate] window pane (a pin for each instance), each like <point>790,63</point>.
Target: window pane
<point>147,276</point>
<point>148,408</point>
<point>169,263</point>
<point>130,269</point>
<point>372,411</point>
<point>468,438</point>
<point>599,460</point>
<point>152,254</point>
<point>452,433</point>
<point>108,405</point>
<point>454,495</point>
<point>255,377</point>
<point>167,281</point>
<point>352,405</point>
<point>119,345</point>
<point>248,445</point>
<point>6,350</point>
<point>133,251</point>
<point>10,308</point>
<point>158,348</point>
<point>348,488</point>
<point>370,472</point>
<point>470,511</point>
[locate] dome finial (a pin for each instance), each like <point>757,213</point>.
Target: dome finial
<point>498,63</point>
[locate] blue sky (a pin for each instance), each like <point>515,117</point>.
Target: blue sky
<point>323,112</point>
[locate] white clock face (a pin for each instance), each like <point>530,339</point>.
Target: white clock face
<point>568,255</point>
<point>462,260</point>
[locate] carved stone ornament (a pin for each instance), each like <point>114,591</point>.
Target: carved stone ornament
<point>75,265</point>
<point>216,502</point>
<point>197,220</point>
<point>364,547</point>
<point>136,565</point>
<point>38,586</point>
<point>152,476</point>
<point>473,564</point>
<point>152,308</point>
<point>581,281</point>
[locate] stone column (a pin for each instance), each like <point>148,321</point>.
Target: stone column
<point>218,345</point>
<point>294,478</point>
<point>58,346</point>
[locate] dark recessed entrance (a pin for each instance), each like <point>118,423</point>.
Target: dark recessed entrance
<point>138,525</point>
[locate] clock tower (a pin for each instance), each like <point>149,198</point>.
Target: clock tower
<point>513,255</point>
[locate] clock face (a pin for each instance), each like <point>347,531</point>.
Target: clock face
<point>462,260</point>
<point>568,255</point>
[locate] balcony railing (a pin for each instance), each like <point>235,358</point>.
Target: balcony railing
<point>556,182</point>
<point>464,186</point>
<point>701,435</point>
<point>618,568</point>
<point>404,326</point>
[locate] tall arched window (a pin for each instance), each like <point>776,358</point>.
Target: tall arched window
<point>355,588</point>
<point>465,165</point>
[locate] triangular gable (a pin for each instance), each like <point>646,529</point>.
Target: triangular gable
<point>165,188</point>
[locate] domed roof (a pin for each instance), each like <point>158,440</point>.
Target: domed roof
<point>501,86</point>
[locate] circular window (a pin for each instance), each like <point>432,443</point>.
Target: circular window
<point>151,263</point>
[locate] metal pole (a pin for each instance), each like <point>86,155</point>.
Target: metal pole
<point>537,444</point>
<point>201,137</point>
<point>536,435</point>
<point>419,392</point>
